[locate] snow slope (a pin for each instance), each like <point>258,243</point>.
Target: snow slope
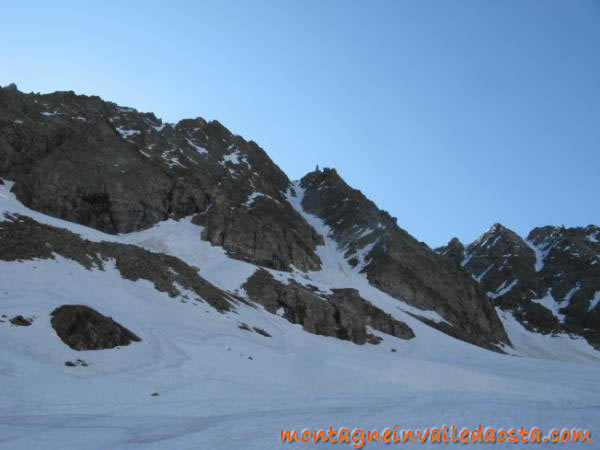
<point>213,396</point>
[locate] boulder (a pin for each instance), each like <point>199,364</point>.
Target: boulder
<point>83,328</point>
<point>21,321</point>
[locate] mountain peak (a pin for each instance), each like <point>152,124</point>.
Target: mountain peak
<point>455,242</point>
<point>326,175</point>
<point>497,228</point>
<point>454,249</point>
<point>375,245</point>
<point>495,234</point>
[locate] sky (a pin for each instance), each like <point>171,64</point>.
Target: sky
<point>450,115</point>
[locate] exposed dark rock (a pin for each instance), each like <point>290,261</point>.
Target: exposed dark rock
<point>374,340</point>
<point>77,363</point>
<point>565,275</point>
<point>21,321</point>
<point>454,250</point>
<point>343,314</point>
<point>82,328</point>
<point>261,332</point>
<point>352,308</point>
<point>81,159</point>
<point>398,264</point>
<point>22,238</point>
<point>244,326</point>
<point>263,235</point>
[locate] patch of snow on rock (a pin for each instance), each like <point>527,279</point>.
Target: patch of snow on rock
<point>126,134</point>
<point>502,289</point>
<point>196,147</point>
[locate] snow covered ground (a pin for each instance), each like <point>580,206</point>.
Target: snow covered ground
<point>213,396</point>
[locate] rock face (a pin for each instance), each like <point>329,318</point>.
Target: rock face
<point>454,250</point>
<point>343,314</point>
<point>22,238</point>
<point>398,264</point>
<point>83,328</point>
<point>549,281</point>
<point>112,168</point>
<point>118,170</point>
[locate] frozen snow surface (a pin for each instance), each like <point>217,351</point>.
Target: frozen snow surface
<point>550,303</point>
<point>222,387</point>
<point>196,147</point>
<point>252,197</point>
<point>125,133</point>
<point>234,158</point>
<point>502,289</point>
<point>594,301</point>
<point>540,251</point>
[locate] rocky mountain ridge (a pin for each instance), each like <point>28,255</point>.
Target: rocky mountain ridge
<point>397,263</point>
<point>550,280</point>
<point>117,170</point>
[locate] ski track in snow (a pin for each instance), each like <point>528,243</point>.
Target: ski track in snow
<point>213,397</point>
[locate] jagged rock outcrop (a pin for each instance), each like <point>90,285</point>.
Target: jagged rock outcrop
<point>118,170</point>
<point>398,264</point>
<point>83,328</point>
<point>343,314</point>
<point>454,250</point>
<point>22,238</point>
<point>550,281</point>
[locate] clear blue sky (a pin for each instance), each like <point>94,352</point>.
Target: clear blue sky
<point>451,115</point>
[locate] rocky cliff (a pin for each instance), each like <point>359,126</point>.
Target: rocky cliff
<point>398,264</point>
<point>343,314</point>
<point>118,170</point>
